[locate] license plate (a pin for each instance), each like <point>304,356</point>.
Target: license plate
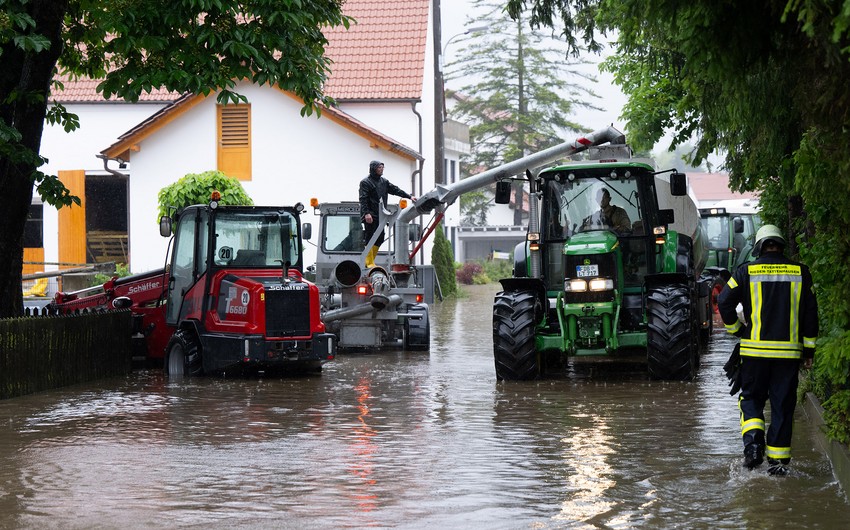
<point>587,271</point>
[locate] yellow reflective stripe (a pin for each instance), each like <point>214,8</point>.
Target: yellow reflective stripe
<point>777,453</point>
<point>732,328</point>
<point>752,424</point>
<point>732,283</point>
<point>770,354</point>
<point>795,311</point>
<point>809,342</point>
<point>771,344</point>
<point>755,317</point>
<point>774,269</point>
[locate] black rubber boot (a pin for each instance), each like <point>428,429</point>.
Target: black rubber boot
<point>753,455</point>
<point>777,468</point>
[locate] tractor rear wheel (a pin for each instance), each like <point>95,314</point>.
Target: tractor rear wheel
<point>514,320</point>
<point>183,355</point>
<point>672,347</point>
<point>417,331</point>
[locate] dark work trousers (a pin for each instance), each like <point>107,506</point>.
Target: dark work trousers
<point>775,379</point>
<point>369,230</point>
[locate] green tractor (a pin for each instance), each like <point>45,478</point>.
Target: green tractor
<point>730,227</point>
<point>611,270</point>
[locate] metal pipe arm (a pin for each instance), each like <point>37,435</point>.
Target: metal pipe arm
<point>445,194</point>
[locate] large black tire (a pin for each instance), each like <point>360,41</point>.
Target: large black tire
<point>672,347</point>
<point>183,355</point>
<point>417,331</point>
<point>514,319</point>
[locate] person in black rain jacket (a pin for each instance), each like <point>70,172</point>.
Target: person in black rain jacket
<point>374,190</point>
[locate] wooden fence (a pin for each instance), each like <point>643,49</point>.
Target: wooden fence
<point>41,353</point>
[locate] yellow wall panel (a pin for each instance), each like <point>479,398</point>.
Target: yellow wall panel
<point>33,254</point>
<point>72,219</point>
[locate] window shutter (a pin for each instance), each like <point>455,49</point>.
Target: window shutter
<point>234,140</point>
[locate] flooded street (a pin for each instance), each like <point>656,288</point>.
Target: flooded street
<point>397,439</point>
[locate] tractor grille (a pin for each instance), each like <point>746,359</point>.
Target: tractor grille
<point>607,269</point>
<point>288,313</point>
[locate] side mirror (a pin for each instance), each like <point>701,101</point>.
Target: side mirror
<point>414,232</point>
<point>666,217</point>
<point>738,225</point>
<point>503,192</point>
<point>306,231</point>
<point>165,226</point>
<point>678,184</point>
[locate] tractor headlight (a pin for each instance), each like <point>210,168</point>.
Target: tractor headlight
<point>601,284</point>
<point>575,286</point>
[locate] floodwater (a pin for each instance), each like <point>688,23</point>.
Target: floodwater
<point>409,440</point>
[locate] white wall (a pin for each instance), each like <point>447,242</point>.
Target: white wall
<point>100,125</point>
<point>294,158</point>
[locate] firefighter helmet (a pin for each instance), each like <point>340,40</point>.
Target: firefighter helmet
<point>768,233</point>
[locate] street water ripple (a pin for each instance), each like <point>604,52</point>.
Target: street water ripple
<point>406,440</point>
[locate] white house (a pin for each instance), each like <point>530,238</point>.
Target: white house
<point>382,80</point>
<point>280,157</point>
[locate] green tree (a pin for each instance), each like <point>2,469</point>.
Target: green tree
<point>194,46</point>
<point>195,188</point>
<point>474,207</point>
<point>443,260</point>
<point>518,89</point>
<point>765,82</point>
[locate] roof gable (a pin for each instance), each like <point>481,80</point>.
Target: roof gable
<point>128,142</point>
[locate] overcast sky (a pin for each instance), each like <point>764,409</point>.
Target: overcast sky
<point>455,14</point>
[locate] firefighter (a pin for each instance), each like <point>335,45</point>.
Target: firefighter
<point>373,192</point>
<point>778,330</point>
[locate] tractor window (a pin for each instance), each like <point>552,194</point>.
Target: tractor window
<point>591,201</point>
<point>343,233</point>
<point>717,232</point>
<point>585,204</point>
<point>256,239</point>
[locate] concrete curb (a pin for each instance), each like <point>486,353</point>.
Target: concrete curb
<point>838,454</point>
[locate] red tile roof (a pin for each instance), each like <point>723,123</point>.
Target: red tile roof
<point>85,90</point>
<point>714,187</point>
<point>380,57</point>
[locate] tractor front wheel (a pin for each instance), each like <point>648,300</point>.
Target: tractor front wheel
<point>672,347</point>
<point>183,355</point>
<point>514,320</point>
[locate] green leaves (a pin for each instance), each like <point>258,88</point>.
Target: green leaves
<point>195,188</point>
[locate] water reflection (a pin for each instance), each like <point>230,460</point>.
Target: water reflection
<point>588,472</point>
<point>398,439</point>
<point>361,463</point>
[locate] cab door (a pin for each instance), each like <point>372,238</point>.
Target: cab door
<point>188,262</point>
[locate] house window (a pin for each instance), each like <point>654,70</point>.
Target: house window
<point>34,228</point>
<point>453,171</point>
<point>234,140</point>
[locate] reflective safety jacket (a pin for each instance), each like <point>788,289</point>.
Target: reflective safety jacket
<point>779,307</point>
